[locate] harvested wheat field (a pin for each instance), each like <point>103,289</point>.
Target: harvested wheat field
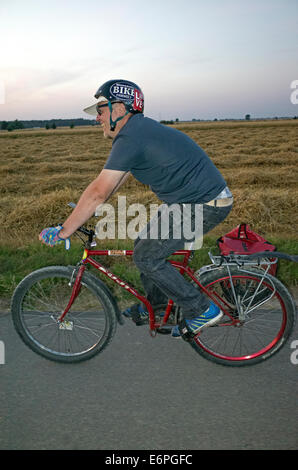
<point>43,170</point>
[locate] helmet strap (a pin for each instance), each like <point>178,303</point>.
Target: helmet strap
<point>113,123</point>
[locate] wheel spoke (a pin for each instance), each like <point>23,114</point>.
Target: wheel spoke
<point>256,331</point>
<point>86,327</point>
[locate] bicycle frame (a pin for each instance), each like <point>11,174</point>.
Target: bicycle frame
<point>153,325</point>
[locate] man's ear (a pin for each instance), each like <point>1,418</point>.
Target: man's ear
<point>120,108</point>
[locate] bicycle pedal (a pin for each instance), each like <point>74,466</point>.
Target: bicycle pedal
<point>186,335</point>
<point>164,331</point>
<point>140,322</point>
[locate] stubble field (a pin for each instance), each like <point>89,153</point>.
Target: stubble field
<point>42,170</point>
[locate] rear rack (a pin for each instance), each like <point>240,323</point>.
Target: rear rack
<point>242,260</point>
<point>261,258</point>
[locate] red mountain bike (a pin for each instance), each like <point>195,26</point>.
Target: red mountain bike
<point>67,314</point>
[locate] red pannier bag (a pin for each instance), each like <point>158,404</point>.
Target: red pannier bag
<point>243,241</point>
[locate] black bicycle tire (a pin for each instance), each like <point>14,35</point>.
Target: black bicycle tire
<point>212,275</point>
<point>63,271</point>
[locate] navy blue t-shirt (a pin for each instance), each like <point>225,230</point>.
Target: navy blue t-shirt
<point>171,163</point>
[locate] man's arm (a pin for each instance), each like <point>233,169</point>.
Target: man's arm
<point>99,191</point>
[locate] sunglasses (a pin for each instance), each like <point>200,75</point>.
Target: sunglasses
<point>98,106</point>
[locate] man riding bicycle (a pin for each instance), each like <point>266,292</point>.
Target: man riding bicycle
<point>178,171</point>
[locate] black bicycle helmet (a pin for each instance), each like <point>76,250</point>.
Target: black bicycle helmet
<point>119,91</point>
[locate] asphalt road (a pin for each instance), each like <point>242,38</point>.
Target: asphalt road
<point>144,393</point>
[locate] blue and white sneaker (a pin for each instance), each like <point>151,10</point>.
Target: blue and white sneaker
<point>212,316</point>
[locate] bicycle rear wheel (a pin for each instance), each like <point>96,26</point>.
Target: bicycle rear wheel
<point>40,299</point>
<point>261,317</point>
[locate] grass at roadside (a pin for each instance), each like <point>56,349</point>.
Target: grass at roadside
<point>16,262</point>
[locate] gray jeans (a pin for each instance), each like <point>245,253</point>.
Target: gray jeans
<point>160,279</point>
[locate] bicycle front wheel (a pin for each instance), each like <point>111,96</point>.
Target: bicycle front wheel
<point>260,317</point>
<point>41,298</point>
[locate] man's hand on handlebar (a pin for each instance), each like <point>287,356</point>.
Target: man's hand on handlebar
<point>50,236</point>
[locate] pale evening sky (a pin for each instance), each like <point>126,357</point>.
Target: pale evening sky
<point>192,58</point>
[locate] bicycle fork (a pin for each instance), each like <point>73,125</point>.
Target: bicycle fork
<point>75,289</point>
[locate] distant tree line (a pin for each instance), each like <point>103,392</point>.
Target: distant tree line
<point>47,124</point>
<point>11,125</point>
<point>54,123</point>
<point>170,122</point>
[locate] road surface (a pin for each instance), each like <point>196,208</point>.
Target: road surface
<point>144,393</point>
